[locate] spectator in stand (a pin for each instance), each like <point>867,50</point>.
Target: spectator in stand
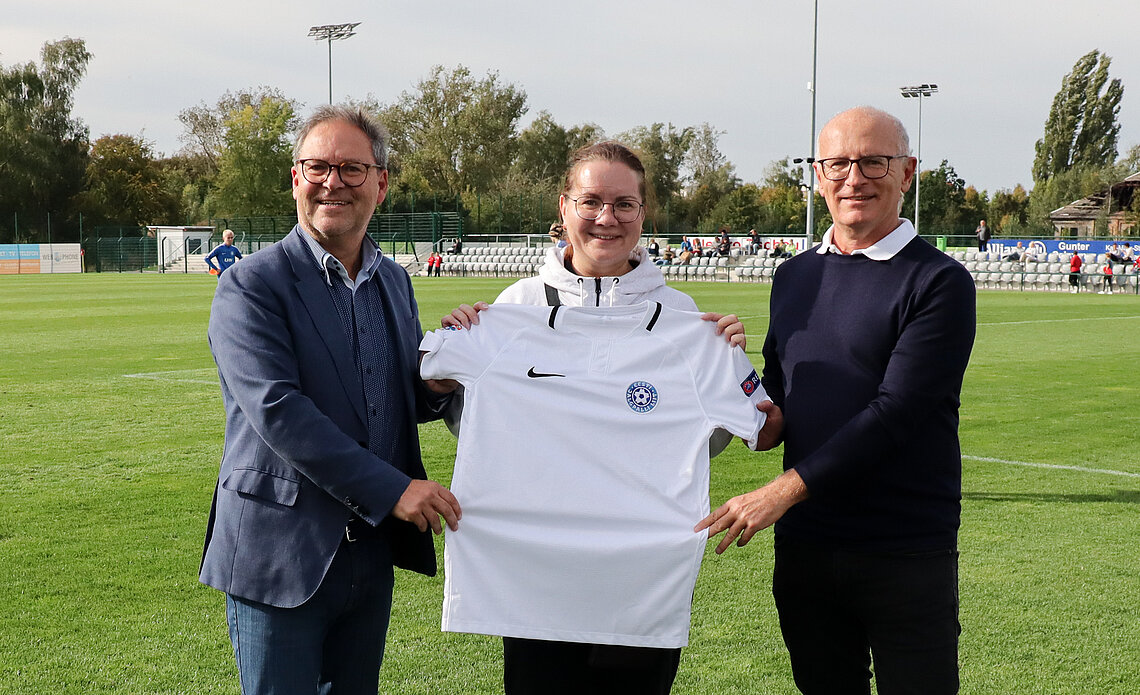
<point>668,255</point>
<point>753,242</point>
<point>686,245</point>
<point>558,235</point>
<point>983,234</point>
<point>654,248</point>
<point>1115,255</point>
<point>1018,254</point>
<point>1126,255</point>
<point>226,254</point>
<point>1075,264</point>
<point>1106,280</point>
<point>457,247</point>
<point>723,244</point>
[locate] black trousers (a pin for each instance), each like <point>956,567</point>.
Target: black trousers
<point>839,609</point>
<point>540,667</point>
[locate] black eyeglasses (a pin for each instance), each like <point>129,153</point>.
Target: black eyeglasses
<point>873,167</point>
<point>590,208</point>
<point>352,174</point>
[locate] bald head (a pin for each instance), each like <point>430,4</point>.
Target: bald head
<point>862,115</point>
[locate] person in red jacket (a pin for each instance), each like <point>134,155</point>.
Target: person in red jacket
<point>1075,273</point>
<point>1106,286</point>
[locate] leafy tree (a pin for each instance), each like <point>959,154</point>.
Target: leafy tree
<point>1082,127</point>
<point>711,175</point>
<point>738,210</point>
<point>125,184</point>
<point>43,148</point>
<point>253,165</point>
<point>662,149</point>
<point>1008,211</point>
<point>544,148</point>
<point>188,179</point>
<point>455,132</point>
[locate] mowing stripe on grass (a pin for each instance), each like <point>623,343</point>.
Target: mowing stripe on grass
<point>186,376</point>
<point>1079,469</point>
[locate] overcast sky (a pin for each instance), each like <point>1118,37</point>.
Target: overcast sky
<point>742,66</point>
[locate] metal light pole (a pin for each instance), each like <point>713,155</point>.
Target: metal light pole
<point>330,33</point>
<point>811,159</point>
<point>918,91</point>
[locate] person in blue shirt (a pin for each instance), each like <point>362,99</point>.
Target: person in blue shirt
<point>226,253</point>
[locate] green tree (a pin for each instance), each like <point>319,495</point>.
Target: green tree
<point>739,210</point>
<point>662,149</point>
<point>43,148</point>
<point>1082,127</point>
<point>1008,212</point>
<point>455,132</point>
<point>124,184</point>
<point>711,176</point>
<point>253,167</point>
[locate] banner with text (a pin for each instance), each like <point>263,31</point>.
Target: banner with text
<point>27,259</point>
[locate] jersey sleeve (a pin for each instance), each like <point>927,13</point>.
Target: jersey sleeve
<point>463,354</point>
<point>728,387</point>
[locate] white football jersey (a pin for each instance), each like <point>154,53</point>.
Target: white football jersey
<point>582,467</point>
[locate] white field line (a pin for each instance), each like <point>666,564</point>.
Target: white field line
<point>186,376</point>
<point>1079,469</point>
<point>1081,318</point>
<point>1000,323</point>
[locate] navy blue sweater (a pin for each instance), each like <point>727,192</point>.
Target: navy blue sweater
<point>866,360</point>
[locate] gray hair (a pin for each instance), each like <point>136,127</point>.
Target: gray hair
<point>353,115</point>
<point>872,112</point>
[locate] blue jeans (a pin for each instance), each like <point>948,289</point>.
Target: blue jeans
<point>332,644</point>
<point>839,608</point>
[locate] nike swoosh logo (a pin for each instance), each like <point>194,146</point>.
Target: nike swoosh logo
<point>538,375</point>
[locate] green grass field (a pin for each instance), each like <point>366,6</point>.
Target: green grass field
<point>108,478</point>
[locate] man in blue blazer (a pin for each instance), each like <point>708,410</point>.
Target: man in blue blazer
<point>321,489</point>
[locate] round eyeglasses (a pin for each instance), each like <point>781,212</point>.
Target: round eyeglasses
<point>352,174</point>
<point>873,167</point>
<point>590,208</point>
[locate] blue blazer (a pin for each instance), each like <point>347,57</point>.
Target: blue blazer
<point>296,467</point>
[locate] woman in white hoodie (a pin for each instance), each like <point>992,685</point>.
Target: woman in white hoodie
<point>602,207</point>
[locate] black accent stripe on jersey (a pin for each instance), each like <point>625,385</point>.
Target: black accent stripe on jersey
<point>653,320</point>
<point>553,313</point>
<point>552,296</point>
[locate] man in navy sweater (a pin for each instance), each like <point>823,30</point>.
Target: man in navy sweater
<point>869,337</point>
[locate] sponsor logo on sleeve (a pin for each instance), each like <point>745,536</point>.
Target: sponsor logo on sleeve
<point>750,384</point>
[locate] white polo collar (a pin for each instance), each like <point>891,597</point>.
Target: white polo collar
<point>883,250</point>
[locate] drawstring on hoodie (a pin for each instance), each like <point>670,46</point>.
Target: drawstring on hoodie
<point>611,294</point>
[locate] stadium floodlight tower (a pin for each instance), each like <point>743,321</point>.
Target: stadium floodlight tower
<point>918,92</point>
<point>330,33</point>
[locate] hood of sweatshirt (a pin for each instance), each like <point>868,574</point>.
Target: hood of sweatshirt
<point>643,279</point>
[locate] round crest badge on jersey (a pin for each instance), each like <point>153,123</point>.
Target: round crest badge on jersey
<point>641,396</point>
